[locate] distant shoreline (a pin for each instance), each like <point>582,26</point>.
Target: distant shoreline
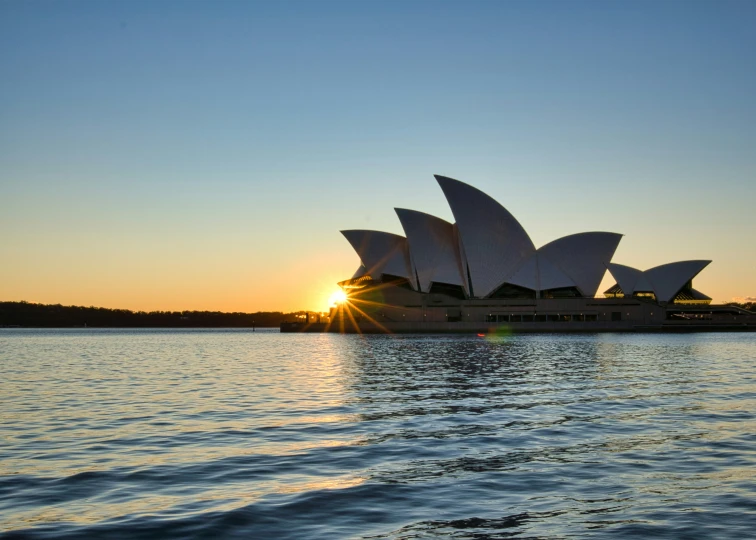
<point>17,327</point>
<point>30,315</point>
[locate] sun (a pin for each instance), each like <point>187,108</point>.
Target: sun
<point>338,297</point>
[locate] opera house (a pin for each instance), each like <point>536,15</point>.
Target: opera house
<point>484,272</point>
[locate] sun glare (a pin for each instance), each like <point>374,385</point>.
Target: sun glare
<point>338,297</point>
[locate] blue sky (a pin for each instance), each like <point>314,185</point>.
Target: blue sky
<point>181,155</point>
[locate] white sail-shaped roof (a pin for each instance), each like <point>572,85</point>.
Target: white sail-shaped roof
<point>626,276</point>
<point>665,281</point>
<point>582,257</point>
<point>551,276</point>
<point>462,261</point>
<point>537,272</point>
<point>433,248</point>
<point>361,271</point>
<point>526,275</point>
<point>487,248</point>
<point>382,253</point>
<point>643,284</point>
<point>668,279</point>
<point>495,244</point>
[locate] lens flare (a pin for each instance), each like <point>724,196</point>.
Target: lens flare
<point>499,333</point>
<point>338,297</point>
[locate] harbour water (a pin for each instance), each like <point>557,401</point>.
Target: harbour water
<point>240,434</point>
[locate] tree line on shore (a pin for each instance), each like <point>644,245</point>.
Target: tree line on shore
<point>26,314</point>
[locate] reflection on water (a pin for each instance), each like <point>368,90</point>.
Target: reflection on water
<point>141,433</point>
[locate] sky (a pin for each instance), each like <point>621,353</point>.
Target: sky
<point>205,155</point>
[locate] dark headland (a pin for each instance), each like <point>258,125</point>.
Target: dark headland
<point>31,315</point>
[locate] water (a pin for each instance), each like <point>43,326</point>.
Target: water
<point>176,434</point>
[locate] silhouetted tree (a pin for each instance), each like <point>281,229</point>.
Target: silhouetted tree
<point>26,314</point>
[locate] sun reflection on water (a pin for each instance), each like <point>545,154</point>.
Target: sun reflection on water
<point>158,427</point>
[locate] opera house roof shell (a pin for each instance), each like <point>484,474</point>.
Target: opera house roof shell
<point>664,282</point>
<point>488,254</point>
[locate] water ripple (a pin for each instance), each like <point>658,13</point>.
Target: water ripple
<point>176,434</point>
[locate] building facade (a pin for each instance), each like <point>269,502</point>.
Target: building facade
<point>483,273</point>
